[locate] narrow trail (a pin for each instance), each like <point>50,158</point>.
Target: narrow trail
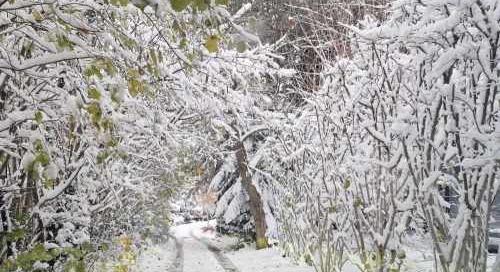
<point>178,264</point>
<point>198,254</point>
<point>223,260</point>
<point>198,258</point>
<point>195,248</point>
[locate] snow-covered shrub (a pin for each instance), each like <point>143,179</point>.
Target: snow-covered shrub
<point>89,118</point>
<point>400,142</point>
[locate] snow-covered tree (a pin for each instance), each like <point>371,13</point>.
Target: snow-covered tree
<point>89,110</point>
<point>400,142</point>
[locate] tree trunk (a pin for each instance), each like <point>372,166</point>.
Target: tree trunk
<point>256,207</point>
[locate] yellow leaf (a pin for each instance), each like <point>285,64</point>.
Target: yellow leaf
<point>37,16</point>
<point>212,44</point>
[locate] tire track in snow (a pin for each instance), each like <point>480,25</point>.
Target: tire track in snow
<point>178,264</point>
<point>223,260</point>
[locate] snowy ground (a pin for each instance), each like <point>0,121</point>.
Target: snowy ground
<point>157,258</point>
<point>196,248</point>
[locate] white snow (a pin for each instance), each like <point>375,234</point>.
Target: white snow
<point>269,260</point>
<point>156,258</point>
<point>197,257</point>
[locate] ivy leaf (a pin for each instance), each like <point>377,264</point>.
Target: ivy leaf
<point>179,5</point>
<point>212,43</point>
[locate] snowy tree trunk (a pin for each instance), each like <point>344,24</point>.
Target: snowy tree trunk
<point>255,203</point>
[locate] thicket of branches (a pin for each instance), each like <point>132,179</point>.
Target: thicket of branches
<point>400,143</point>
<point>381,130</point>
<point>103,104</point>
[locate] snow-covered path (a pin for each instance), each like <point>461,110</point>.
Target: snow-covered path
<point>195,247</point>
<point>196,250</point>
<point>199,258</point>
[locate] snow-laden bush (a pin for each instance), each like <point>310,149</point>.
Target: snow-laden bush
<point>91,118</point>
<point>401,142</point>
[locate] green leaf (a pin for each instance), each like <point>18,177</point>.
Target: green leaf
<point>87,247</point>
<point>38,145</point>
<point>43,158</point>
<point>222,2</point>
<point>75,252</point>
<point>48,183</point>
<point>107,124</point>
<point>357,202</point>
<point>200,5</point>
<point>112,143</point>
<point>63,42</point>
<point>183,43</point>
<point>115,96</point>
<point>55,252</point>
<point>75,266</point>
<point>152,54</point>
<point>102,156</point>
<point>135,85</point>
<point>401,254</point>
<point>241,47</point>
<point>39,117</point>
<point>26,260</point>
<point>347,184</point>
<point>92,70</point>
<point>332,209</point>
<point>15,235</point>
<point>179,5</point>
<point>39,253</point>
<point>212,43</point>
<point>37,16</point>
<point>108,66</point>
<point>95,112</point>
<point>94,94</point>
<point>22,217</point>
<point>119,2</point>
